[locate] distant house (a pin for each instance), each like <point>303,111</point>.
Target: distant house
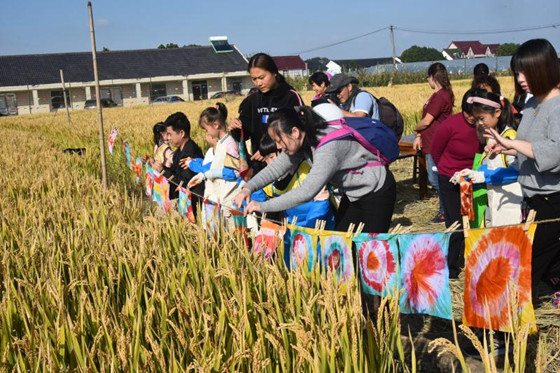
<point>31,83</point>
<point>291,66</point>
<point>469,49</point>
<point>333,68</point>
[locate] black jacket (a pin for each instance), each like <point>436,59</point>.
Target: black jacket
<point>191,149</point>
<point>255,109</point>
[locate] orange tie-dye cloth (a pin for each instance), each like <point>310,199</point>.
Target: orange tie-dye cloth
<point>498,260</point>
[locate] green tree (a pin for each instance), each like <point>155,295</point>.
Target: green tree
<point>507,49</point>
<point>168,46</point>
<point>105,49</point>
<point>416,53</point>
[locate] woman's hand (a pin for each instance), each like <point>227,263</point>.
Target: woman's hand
<point>185,162</point>
<point>417,143</point>
<point>499,145</point>
<point>195,181</point>
<point>253,206</point>
<point>157,165</point>
<point>235,124</point>
<point>243,195</point>
<point>257,157</point>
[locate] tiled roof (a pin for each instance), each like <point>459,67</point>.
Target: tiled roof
<point>289,63</point>
<point>44,68</point>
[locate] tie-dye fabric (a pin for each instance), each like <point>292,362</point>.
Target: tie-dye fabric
<point>148,181</point>
<point>137,168</point>
<point>185,204</point>
<point>127,154</point>
<point>244,170</point>
<point>160,193</point>
<point>211,216</point>
<point>424,275</point>
<point>377,259</point>
<point>336,255</point>
<point>466,193</point>
<point>268,239</point>
<point>303,248</point>
<point>111,140</point>
<point>498,269</point>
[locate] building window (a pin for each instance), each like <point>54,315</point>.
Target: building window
<point>157,90</point>
<point>57,99</point>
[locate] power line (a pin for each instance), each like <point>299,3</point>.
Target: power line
<point>342,41</point>
<point>436,32</point>
<point>503,31</point>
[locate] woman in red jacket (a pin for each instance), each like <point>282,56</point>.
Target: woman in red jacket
<point>454,147</point>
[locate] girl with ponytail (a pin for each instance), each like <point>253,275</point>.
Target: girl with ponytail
<point>220,167</point>
<point>504,197</point>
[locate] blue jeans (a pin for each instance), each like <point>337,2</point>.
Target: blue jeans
<point>433,179</point>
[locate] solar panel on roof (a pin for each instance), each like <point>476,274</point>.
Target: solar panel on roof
<point>221,45</point>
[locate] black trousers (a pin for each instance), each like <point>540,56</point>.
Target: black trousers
<point>375,209</point>
<point>546,244</point>
<point>451,197</point>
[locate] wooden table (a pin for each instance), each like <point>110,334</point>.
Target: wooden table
<point>406,150</point>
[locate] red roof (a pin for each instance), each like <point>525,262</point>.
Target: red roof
<point>476,46</point>
<point>493,47</point>
<point>289,63</point>
<point>464,46</point>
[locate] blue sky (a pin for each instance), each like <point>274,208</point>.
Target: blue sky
<point>278,28</point>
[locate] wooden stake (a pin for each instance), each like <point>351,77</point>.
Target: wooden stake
<point>64,96</point>
<point>98,97</point>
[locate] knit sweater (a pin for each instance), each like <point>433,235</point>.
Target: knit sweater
<point>331,163</point>
<point>541,127</point>
<point>454,145</point>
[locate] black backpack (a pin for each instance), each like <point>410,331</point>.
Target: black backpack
<point>388,114</point>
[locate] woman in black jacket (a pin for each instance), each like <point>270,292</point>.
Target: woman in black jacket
<point>273,93</point>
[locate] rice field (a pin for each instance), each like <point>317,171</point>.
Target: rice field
<point>94,280</point>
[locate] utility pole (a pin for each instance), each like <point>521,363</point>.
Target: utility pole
<point>98,98</point>
<point>64,96</point>
<point>394,55</point>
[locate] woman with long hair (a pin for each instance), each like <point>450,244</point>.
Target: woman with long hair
<point>274,93</point>
<point>536,147</point>
<point>437,109</point>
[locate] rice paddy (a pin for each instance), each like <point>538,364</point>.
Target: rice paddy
<point>94,280</point>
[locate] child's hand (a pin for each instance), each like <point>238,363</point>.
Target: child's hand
<point>235,124</point>
<point>157,165</point>
<point>195,181</point>
<point>185,162</point>
<point>257,157</point>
